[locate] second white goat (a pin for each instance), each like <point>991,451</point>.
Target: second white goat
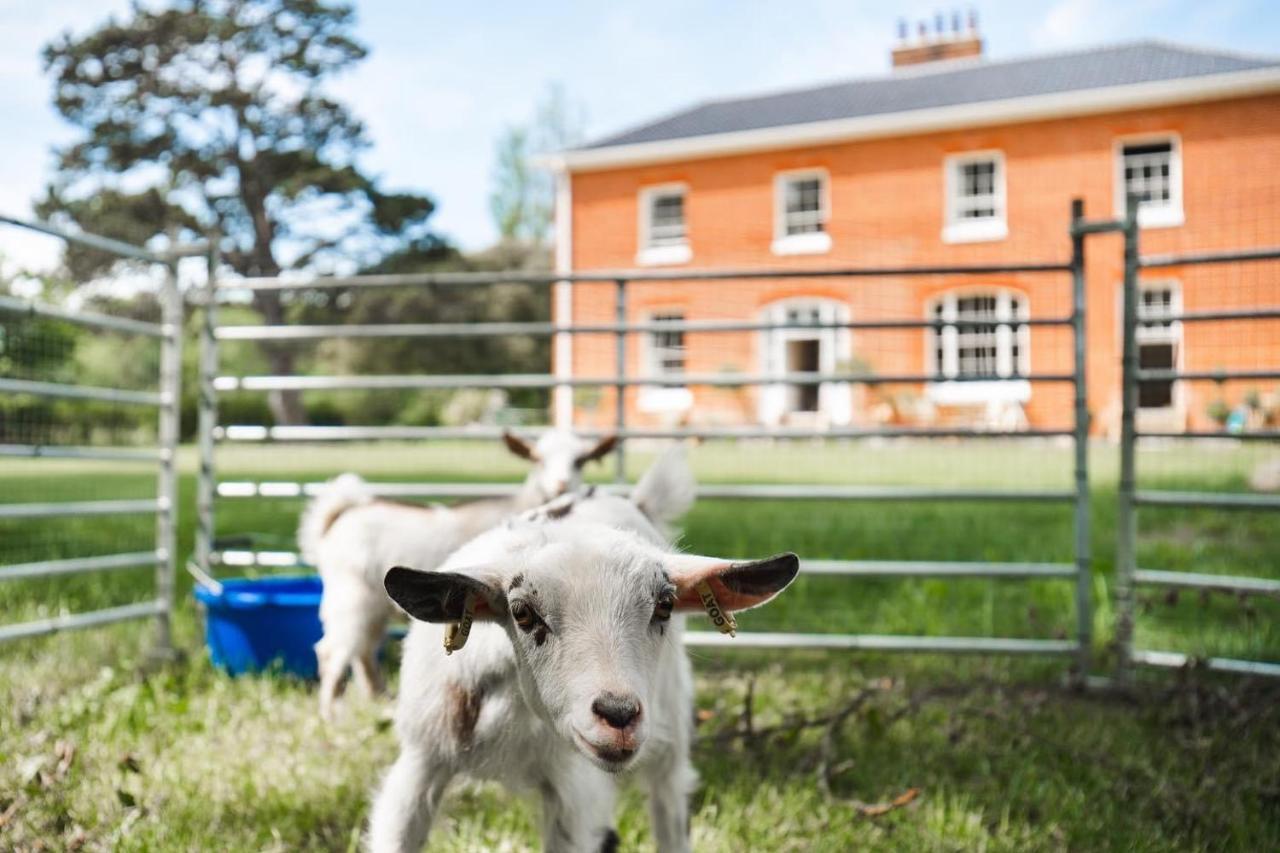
<point>352,537</point>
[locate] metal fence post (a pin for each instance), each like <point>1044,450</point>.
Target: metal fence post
<point>169,430</point>
<point>1126,519</point>
<point>208,405</point>
<point>1084,575</point>
<point>620,403</point>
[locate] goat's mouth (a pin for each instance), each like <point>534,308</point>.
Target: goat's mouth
<point>614,759</point>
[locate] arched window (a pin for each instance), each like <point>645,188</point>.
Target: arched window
<point>978,336</point>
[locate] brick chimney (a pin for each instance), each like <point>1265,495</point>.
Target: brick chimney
<point>939,43</point>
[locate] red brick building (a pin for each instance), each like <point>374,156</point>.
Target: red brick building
<point>949,159</point>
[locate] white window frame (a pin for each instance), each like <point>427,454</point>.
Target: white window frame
<point>956,229</point>
<point>662,400</point>
<point>664,254</point>
<point>812,243</point>
<point>652,362</point>
<point>1165,214</point>
<point>1161,335</point>
<point>947,389</point>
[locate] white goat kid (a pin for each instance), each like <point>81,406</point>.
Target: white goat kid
<point>352,537</point>
<point>575,670</point>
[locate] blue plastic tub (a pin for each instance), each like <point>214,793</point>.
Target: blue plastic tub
<point>272,622</point>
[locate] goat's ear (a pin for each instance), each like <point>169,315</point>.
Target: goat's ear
<point>519,446</point>
<point>441,596</point>
<point>737,586</point>
<point>603,448</point>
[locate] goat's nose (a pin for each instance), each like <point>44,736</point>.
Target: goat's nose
<point>618,711</point>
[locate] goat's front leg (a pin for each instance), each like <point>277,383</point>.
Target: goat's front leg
<point>669,787</point>
<point>407,802</point>
<point>577,810</point>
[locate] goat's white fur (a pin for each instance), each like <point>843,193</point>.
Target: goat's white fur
<point>517,708</point>
<point>352,538</point>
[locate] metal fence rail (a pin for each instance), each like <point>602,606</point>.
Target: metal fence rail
<point>1132,497</point>
<point>164,507</point>
<point>529,380</point>
<point>57,451</point>
<point>209,554</point>
<point>764,492</point>
<point>480,330</point>
<point>486,279</point>
<point>228,556</point>
<point>253,433</point>
<point>64,391</point>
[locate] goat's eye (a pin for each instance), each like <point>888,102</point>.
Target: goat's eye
<point>525,617</point>
<point>665,604</point>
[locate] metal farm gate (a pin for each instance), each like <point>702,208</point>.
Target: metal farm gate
<point>1152,307</point>
<point>47,535</point>
<point>1066,320</point>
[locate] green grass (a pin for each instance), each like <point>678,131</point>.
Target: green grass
<point>180,757</point>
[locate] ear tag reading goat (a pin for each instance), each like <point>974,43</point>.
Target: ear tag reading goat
<point>456,633</point>
<point>722,618</point>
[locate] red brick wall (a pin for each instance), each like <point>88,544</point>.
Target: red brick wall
<point>886,208</point>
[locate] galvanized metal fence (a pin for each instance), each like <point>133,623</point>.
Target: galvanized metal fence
<point>164,398</point>
<point>211,554</point>
<point>1132,496</point>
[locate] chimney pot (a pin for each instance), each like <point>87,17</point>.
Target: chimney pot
<point>933,44</point>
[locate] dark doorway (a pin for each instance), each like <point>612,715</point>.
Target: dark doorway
<point>804,356</point>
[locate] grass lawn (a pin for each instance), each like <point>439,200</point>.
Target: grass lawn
<point>100,748</point>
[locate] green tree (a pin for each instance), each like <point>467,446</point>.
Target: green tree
<point>213,115</point>
<point>522,198</point>
<point>513,202</point>
<point>507,302</point>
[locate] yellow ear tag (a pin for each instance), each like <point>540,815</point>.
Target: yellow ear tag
<point>722,618</point>
<point>456,633</point>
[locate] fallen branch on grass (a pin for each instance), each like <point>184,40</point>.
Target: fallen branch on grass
<point>745,728</point>
<point>827,744</point>
<point>878,809</point>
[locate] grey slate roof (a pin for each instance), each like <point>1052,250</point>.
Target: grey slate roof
<point>958,82</point>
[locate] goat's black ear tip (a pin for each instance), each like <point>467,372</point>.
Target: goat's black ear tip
<point>395,576</point>
<point>786,562</point>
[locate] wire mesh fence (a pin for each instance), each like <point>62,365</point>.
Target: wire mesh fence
<point>1200,462</point>
<point>842,419</point>
<point>88,491</point>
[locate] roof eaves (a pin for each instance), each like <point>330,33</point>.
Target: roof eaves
<point>942,68</point>
<point>911,122</point>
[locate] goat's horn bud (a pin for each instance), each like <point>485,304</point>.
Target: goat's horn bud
<point>456,633</point>
<point>722,618</point>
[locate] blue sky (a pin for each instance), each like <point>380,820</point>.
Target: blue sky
<point>443,78</point>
